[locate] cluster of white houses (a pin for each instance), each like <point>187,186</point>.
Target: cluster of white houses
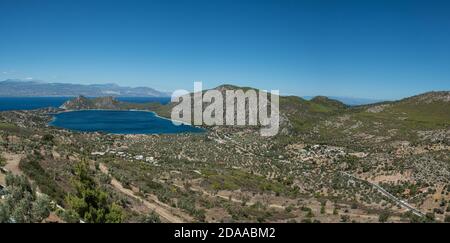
<point>128,156</point>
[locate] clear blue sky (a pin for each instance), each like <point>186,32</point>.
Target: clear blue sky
<point>373,49</point>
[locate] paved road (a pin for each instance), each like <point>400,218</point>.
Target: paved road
<point>389,195</point>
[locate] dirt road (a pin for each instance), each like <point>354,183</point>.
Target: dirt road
<point>218,195</point>
<point>158,207</point>
<point>12,163</point>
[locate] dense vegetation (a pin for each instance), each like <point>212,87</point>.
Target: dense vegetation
<point>22,204</point>
<point>89,203</point>
<point>31,167</point>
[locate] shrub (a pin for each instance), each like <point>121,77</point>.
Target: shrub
<point>31,167</point>
<point>438,211</point>
<point>48,138</point>
<point>430,217</point>
<point>322,209</point>
<point>306,221</point>
<point>2,161</point>
<point>89,202</point>
<point>335,211</point>
<point>289,208</point>
<point>384,216</point>
<point>151,218</point>
<point>104,179</point>
<point>22,204</point>
<point>345,218</point>
<point>447,219</point>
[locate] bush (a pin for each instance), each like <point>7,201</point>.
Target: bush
<point>438,211</point>
<point>414,218</point>
<point>104,179</point>
<point>430,217</point>
<point>151,218</point>
<point>2,161</point>
<point>31,167</point>
<point>447,219</point>
<point>384,216</point>
<point>48,138</point>
<point>22,204</point>
<point>345,218</point>
<point>289,208</point>
<point>306,221</point>
<point>89,202</point>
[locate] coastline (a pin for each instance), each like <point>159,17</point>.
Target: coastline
<point>174,122</point>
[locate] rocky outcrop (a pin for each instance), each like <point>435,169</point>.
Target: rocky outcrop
<point>83,103</point>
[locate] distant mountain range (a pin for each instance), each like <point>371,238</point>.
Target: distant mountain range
<point>26,88</point>
<point>34,88</point>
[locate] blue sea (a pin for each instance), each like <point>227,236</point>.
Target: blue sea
<point>31,103</point>
<point>119,122</point>
<point>115,122</point>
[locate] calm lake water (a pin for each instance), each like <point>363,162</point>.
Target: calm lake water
<point>119,122</point>
<point>116,122</point>
<point>31,103</point>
